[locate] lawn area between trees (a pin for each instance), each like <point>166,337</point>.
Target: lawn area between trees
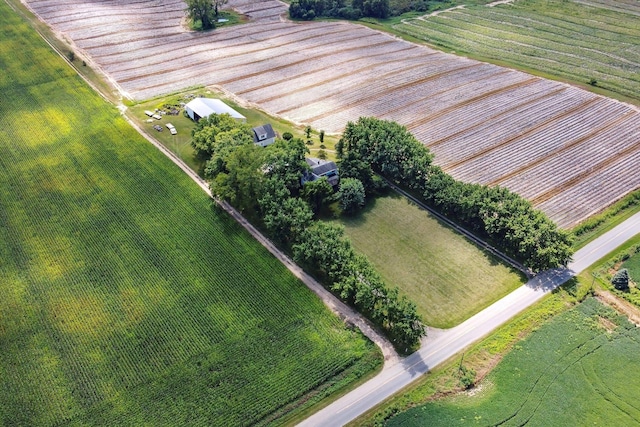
<point>128,297</point>
<point>571,371</point>
<point>448,278</point>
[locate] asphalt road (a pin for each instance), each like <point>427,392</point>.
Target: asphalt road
<point>445,344</point>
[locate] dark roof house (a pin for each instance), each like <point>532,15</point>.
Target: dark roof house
<point>264,135</point>
<point>321,168</point>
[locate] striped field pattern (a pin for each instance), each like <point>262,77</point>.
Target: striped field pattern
<point>569,151</point>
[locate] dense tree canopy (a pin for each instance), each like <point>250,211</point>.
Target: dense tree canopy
<point>203,11</point>
<point>352,195</point>
<point>355,9</point>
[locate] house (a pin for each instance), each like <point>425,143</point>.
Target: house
<point>198,108</point>
<point>319,168</point>
<point>264,135</point>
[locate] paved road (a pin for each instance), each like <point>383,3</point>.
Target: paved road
<point>441,346</point>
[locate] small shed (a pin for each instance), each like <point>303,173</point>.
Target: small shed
<point>198,108</point>
<point>264,135</point>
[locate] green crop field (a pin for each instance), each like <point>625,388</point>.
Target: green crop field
<point>447,277</point>
<point>633,265</point>
<point>126,296</point>
<point>573,371</point>
<point>575,40</point>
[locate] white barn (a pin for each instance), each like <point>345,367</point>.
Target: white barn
<point>198,108</point>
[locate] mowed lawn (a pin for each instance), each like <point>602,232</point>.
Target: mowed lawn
<point>447,277</point>
<point>577,370</point>
<point>126,296</point>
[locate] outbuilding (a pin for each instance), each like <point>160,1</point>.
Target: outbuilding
<point>198,108</point>
<point>264,135</point>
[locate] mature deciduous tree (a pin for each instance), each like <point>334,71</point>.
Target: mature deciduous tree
<point>351,194</point>
<point>317,193</point>
<point>203,11</point>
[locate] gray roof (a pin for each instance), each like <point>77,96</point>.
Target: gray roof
<point>264,131</point>
<point>320,167</point>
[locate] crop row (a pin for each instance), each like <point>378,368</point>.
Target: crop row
<point>243,52</point>
<point>127,299</point>
<point>580,49</point>
<point>484,123</point>
<point>503,158</point>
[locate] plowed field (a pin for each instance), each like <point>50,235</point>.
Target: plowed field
<point>569,151</point>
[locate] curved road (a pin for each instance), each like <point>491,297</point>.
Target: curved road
<point>443,345</point>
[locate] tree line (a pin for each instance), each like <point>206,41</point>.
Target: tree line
<point>510,222</point>
<point>265,184</point>
<point>355,9</point>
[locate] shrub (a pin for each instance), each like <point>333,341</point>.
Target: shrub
<point>621,280</point>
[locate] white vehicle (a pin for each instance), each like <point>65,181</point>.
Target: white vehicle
<point>171,128</point>
<point>157,116</point>
<point>148,113</point>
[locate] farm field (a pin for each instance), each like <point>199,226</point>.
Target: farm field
<point>576,40</point>
<point>633,265</point>
<point>447,277</point>
<point>128,297</point>
<point>569,151</point>
<point>572,371</point>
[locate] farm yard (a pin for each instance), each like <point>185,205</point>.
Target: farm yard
<point>577,40</point>
<point>128,297</point>
<point>569,151</point>
<point>572,371</point>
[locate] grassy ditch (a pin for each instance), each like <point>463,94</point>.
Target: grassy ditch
<point>481,357</point>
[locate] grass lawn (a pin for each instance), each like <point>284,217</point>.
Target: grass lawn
<point>180,144</point>
<point>128,298</point>
<point>573,371</point>
<point>447,277</point>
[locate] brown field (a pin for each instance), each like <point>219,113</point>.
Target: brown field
<point>569,151</point>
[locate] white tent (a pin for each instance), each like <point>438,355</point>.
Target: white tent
<point>198,108</point>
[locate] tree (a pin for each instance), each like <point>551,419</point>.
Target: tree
<point>203,11</point>
<point>217,4</point>
<point>621,280</point>
<point>286,220</point>
<point>352,195</point>
<point>287,136</point>
<point>241,184</point>
<point>286,160</point>
<point>204,135</point>
<point>317,193</point>
<point>321,136</point>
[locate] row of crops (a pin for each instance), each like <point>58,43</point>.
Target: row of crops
<point>484,123</point>
<point>564,38</point>
<point>128,298</point>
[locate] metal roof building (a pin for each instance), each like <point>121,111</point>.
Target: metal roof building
<point>198,108</point>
